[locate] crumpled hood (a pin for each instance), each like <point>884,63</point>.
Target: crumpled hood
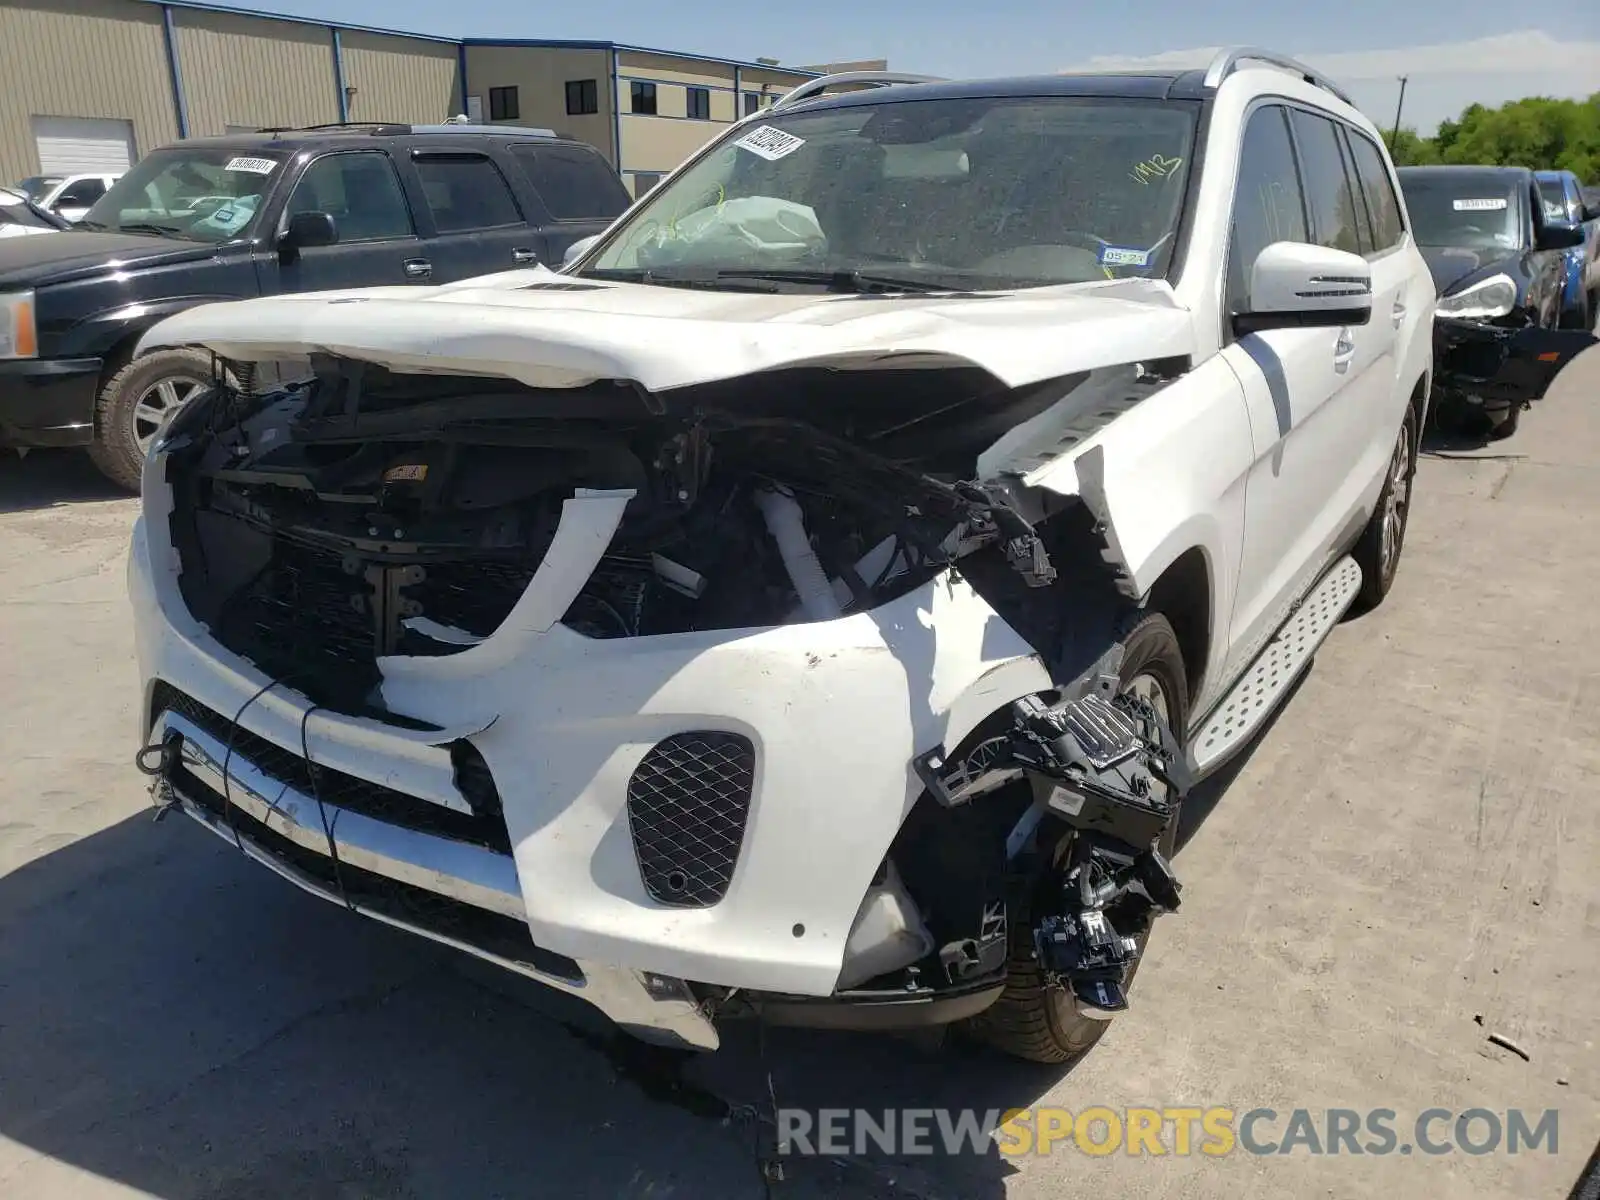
<point>548,330</point>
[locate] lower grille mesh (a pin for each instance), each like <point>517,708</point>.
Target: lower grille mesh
<point>688,803</point>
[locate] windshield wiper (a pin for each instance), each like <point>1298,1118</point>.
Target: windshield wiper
<point>853,281</point>
<point>147,227</point>
<point>676,277</point>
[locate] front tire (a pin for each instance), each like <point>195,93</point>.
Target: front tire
<point>135,402</point>
<point>1032,1019</point>
<point>1377,550</point>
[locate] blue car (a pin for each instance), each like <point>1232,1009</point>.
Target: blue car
<point>1564,203</point>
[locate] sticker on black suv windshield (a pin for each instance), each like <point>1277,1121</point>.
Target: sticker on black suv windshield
<point>1491,204</point>
<point>256,166</point>
<point>1124,256</point>
<point>769,143</point>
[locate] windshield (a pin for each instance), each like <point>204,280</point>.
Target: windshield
<point>199,194</point>
<point>965,193</point>
<point>35,186</point>
<point>1462,213</point>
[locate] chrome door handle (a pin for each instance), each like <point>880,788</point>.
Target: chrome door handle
<point>418,268</point>
<point>524,256</point>
<point>1399,313</point>
<point>1343,351</point>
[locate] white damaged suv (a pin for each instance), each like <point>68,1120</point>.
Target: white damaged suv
<point>813,602</point>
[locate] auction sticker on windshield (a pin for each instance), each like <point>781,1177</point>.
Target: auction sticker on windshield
<point>256,166</point>
<point>771,144</point>
<point>1491,204</point>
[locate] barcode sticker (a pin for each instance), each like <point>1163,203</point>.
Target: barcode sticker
<point>769,143</point>
<point>256,166</point>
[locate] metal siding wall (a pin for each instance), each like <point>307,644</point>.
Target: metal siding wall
<point>400,79</point>
<point>540,75</point>
<point>82,58</point>
<point>242,70</point>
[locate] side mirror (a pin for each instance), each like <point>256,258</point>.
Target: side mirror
<point>577,250</point>
<point>1591,212</point>
<point>1294,285</point>
<point>305,231</point>
<point>1558,235</point>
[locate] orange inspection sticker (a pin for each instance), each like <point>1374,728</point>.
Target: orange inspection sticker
<point>1550,356</point>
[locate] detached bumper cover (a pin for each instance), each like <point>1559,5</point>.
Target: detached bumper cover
<point>1496,367</point>
<point>48,401</point>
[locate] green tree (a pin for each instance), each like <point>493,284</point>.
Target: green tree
<point>1536,131</point>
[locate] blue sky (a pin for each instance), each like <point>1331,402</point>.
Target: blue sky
<point>1448,53</point>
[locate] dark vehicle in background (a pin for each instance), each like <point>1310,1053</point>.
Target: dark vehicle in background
<point>1500,268</point>
<point>1564,205</point>
<point>248,215</point>
<point>21,216</point>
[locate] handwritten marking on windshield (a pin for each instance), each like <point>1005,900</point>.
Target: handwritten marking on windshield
<point>1157,166</point>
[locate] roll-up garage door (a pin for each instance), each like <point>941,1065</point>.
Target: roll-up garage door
<point>83,145</point>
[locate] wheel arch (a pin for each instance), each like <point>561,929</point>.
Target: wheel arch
<point>1184,594</point>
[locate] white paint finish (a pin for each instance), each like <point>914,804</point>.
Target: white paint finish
<point>83,145</point>
<point>671,337</point>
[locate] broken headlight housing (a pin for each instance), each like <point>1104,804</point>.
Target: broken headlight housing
<point>1483,301</point>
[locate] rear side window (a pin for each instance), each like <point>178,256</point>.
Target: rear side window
<point>1335,222</point>
<point>1267,204</point>
<point>1382,203</point>
<point>573,183</point>
<point>466,192</point>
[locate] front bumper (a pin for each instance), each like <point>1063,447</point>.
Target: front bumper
<point>1494,368</point>
<point>48,401</point>
<point>835,710</point>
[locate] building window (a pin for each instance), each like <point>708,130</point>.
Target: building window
<point>752,103</point>
<point>644,182</point>
<point>583,97</point>
<point>699,104</point>
<point>503,104</point>
<point>643,96</point>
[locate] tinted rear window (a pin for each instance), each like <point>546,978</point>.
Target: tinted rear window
<point>572,182</point>
<point>466,191</point>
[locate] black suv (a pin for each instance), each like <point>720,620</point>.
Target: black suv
<point>255,214</point>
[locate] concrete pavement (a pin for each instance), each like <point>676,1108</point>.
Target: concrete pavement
<point>1411,849</point>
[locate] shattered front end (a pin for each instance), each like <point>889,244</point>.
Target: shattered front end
<point>650,700</point>
<point>1492,370</point>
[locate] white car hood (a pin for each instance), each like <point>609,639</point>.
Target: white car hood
<point>547,330</point>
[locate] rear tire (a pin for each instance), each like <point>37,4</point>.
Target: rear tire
<point>1378,549</point>
<point>135,401</point>
<point>1033,1020</point>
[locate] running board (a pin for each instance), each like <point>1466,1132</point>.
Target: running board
<point>1257,693</point>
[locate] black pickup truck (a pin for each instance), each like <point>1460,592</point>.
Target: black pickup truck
<point>255,214</point>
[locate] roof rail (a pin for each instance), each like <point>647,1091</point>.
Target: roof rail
<point>1228,61</point>
<point>815,87</point>
<point>512,130</point>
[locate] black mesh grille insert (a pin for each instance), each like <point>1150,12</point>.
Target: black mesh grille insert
<point>688,802</point>
<point>484,826</point>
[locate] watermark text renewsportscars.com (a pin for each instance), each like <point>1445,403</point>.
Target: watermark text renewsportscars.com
<point>1180,1131</point>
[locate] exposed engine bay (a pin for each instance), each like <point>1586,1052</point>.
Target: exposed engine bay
<point>362,514</point>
